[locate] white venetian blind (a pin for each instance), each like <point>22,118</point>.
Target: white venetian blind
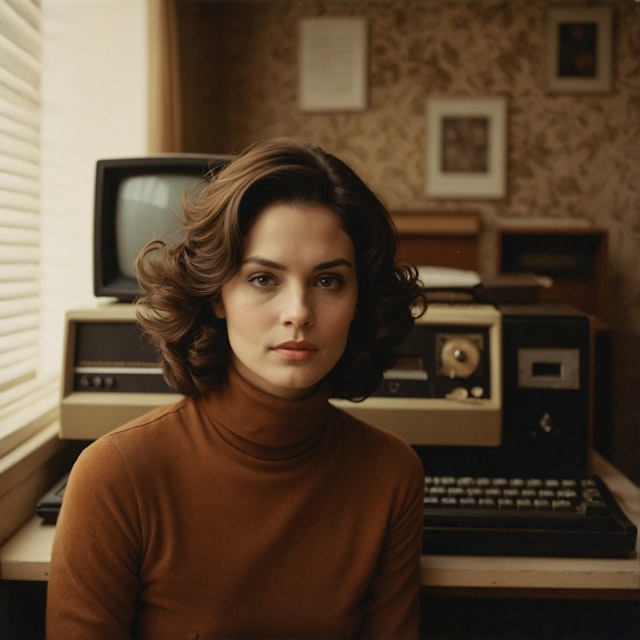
<point>21,391</point>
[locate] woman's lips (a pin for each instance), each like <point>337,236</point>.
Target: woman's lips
<point>296,351</point>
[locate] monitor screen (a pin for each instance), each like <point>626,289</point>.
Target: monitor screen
<point>146,208</point>
<point>138,200</point>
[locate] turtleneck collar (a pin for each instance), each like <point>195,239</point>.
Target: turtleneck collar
<point>265,426</point>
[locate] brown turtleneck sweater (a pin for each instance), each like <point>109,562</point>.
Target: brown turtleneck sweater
<point>240,515</point>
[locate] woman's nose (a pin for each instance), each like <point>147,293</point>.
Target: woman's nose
<point>297,309</point>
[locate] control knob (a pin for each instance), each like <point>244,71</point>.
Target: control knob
<point>459,357</point>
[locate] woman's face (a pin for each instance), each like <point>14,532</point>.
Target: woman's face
<point>289,307</point>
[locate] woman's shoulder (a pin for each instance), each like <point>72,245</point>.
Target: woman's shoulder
<point>377,442</point>
<point>145,432</point>
<point>125,451</point>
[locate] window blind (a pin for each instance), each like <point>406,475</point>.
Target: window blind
<point>21,394</point>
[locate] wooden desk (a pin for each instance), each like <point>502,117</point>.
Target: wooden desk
<point>26,557</point>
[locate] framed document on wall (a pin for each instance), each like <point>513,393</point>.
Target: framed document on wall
<point>332,74</point>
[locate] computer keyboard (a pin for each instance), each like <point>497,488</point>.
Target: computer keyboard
<point>524,516</point>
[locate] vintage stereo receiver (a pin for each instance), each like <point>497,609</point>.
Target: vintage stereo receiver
<point>111,373</point>
<point>444,389</point>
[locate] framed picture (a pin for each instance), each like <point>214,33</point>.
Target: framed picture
<point>466,147</point>
<point>333,64</point>
<point>578,55</point>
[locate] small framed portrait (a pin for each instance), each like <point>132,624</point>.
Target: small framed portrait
<point>466,147</point>
<point>578,53</point>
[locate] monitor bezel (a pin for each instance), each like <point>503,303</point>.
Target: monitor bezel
<point>108,280</point>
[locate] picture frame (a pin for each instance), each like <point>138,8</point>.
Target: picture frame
<point>579,49</point>
<point>333,64</point>
<point>466,147</point>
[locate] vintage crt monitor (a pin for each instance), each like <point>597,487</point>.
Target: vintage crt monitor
<point>445,388</point>
<point>110,374</point>
<point>137,200</point>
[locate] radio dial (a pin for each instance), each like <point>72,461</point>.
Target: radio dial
<point>460,357</point>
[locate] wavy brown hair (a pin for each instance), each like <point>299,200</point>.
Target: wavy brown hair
<point>181,282</point>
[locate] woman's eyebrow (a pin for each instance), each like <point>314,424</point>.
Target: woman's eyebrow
<point>338,262</point>
<point>264,262</point>
<point>329,264</point>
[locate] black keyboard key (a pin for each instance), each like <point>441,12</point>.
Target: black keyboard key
<point>541,504</point>
<point>564,505</point>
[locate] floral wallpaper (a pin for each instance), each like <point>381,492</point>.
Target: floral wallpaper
<point>570,156</point>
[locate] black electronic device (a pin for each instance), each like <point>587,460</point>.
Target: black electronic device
<point>547,354</point>
<point>138,200</point>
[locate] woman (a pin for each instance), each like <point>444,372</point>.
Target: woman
<point>253,508</point>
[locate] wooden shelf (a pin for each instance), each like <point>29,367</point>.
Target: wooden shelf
<point>439,238</point>
<point>574,257</point>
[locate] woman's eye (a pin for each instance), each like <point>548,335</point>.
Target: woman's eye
<point>261,280</point>
<point>330,281</point>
